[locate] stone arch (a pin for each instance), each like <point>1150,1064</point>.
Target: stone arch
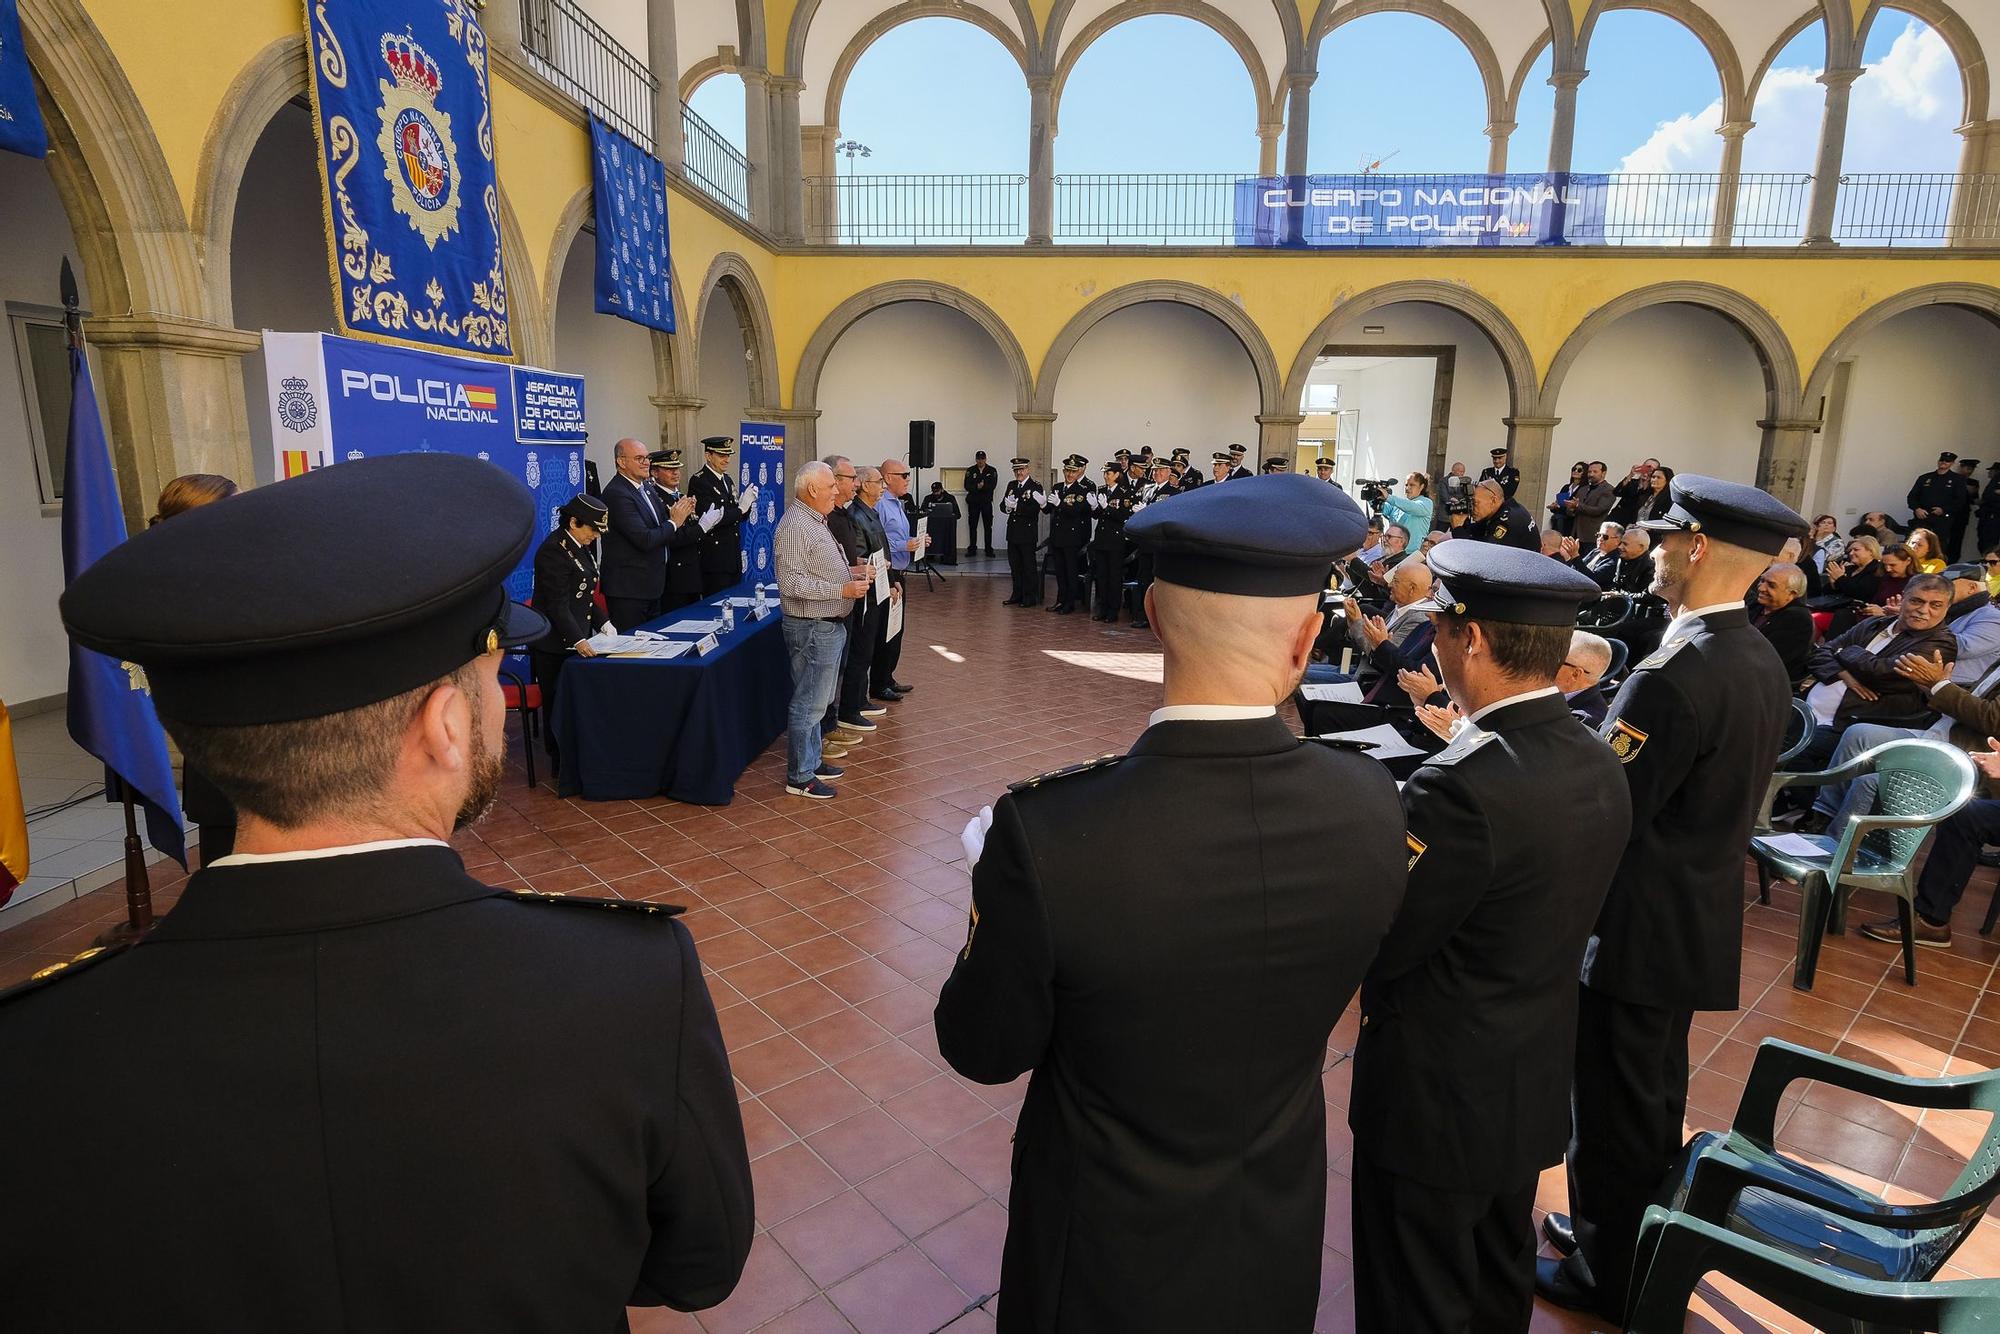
<point>1958,36</point>
<point>1286,12</point>
<point>1225,27</point>
<point>1722,51</point>
<point>1453,20</point>
<point>1512,107</point>
<point>805,385</point>
<point>1255,346</point>
<point>731,274</point>
<point>1519,363</point>
<point>909,12</point>
<point>802,18</point>
<point>530,319</point>
<point>1774,350</point>
<point>272,78</point>
<point>1793,29</point>
<point>751,38</point>
<point>702,71</point>
<point>1976,297</point>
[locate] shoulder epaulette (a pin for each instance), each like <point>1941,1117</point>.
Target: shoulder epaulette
<point>1101,762</point>
<point>1340,743</point>
<point>581,901</point>
<point>68,968</point>
<point>1468,742</point>
<point>1663,654</point>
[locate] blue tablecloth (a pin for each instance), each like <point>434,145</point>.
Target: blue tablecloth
<point>686,727</point>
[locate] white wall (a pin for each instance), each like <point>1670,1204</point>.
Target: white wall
<point>1158,374</point>
<point>34,654</point>
<point>1677,383</point>
<point>724,375</point>
<point>1924,382</point>
<point>614,356</point>
<point>278,272</point>
<point>1393,431</point>
<point>909,362</point>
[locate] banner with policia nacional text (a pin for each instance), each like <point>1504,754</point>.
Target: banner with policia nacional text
<point>760,462</point>
<point>403,117</point>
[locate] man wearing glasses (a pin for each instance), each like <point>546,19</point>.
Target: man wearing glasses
<point>890,509</point>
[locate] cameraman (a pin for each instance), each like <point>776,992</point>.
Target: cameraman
<point>1457,491</point>
<point>1494,518</point>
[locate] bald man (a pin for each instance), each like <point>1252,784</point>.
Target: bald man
<point>634,562</point>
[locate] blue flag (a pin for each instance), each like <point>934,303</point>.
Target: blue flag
<point>21,128</point>
<point>110,708</point>
<point>634,274</point>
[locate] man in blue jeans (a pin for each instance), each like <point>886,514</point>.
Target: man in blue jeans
<point>816,590</point>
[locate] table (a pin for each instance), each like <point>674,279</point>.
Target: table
<point>687,727</point>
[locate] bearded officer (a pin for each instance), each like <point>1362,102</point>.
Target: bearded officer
<point>1174,997</point>
<point>566,594</point>
<point>1023,504</point>
<point>719,510</point>
<point>1469,1012</point>
<point>382,1095</point>
<point>1237,472</point>
<point>1697,727</point>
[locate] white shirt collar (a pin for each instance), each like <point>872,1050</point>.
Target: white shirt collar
<point>1210,713</point>
<point>1511,699</point>
<point>312,854</point>
<point>1689,614</point>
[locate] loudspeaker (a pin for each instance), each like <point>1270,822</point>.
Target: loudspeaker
<point>923,444</point>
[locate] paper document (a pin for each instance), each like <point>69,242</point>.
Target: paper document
<point>881,563</point>
<point>894,625</point>
<point>606,642</point>
<point>694,627</point>
<point>1386,742</point>
<point>1334,692</point>
<point>1798,845</point>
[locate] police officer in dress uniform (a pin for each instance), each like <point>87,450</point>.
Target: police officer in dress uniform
<point>1236,469</point>
<point>1186,476</point>
<point>1219,466</point>
<point>1112,503</point>
<point>684,547</point>
<point>633,562</point>
<point>1174,997</point>
<point>1494,518</point>
<point>1023,504</point>
<point>981,479</point>
<point>380,1094</point>
<point>1934,495</point>
<point>1468,1015</point>
<point>714,492</point>
<point>1069,531</point>
<point>566,595</point>
<point>1697,727</point>
<point>1323,469</point>
<point>1954,541</point>
<point>1503,472</point>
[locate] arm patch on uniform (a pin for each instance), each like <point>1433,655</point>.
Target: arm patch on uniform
<point>971,930</point>
<point>1625,740</point>
<point>1417,849</point>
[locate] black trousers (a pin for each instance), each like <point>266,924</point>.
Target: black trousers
<point>863,633</point>
<point>887,652</point>
<point>1440,1261</point>
<point>1027,576</point>
<point>1626,1106</point>
<point>547,670</point>
<point>1107,580</point>
<point>1064,561</point>
<point>1953,856</point>
<point>628,614</point>
<point>976,513</point>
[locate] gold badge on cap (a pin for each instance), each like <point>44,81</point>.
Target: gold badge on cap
<point>492,641</point>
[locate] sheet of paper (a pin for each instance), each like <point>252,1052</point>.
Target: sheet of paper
<point>881,576</point>
<point>1387,742</point>
<point>604,642</point>
<point>1334,692</point>
<point>694,627</point>
<point>1796,845</point>
<point>894,625</point>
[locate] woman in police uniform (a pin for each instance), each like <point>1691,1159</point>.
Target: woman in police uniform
<point>566,593</point>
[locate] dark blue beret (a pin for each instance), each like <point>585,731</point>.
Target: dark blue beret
<point>1731,512</point>
<point>340,588</point>
<point>1272,536</point>
<point>1487,581</point>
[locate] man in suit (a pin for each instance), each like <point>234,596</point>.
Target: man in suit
<point>566,596</point>
<point>1023,505</point>
<point>1781,616</point>
<point>1631,570</point>
<point>980,481</point>
<point>1472,1001</point>
<point>635,548</point>
<point>1069,532</point>
<point>350,1010</point>
<point>684,547</point>
<point>1505,473</point>
<point>1173,997</point>
<point>1696,727</point>
<point>721,510</point>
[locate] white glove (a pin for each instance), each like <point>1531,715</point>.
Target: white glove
<point>1007,505</point>
<point>1097,500</point>
<point>973,837</point>
<point>747,501</point>
<point>609,628</point>
<point>1136,508</point>
<point>710,519</point>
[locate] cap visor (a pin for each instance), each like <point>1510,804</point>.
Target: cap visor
<point>521,625</point>
<point>1428,602</point>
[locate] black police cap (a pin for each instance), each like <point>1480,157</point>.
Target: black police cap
<point>664,458</point>
<point>1728,512</point>
<point>1272,536</point>
<point>587,509</point>
<point>1487,581</point>
<point>339,588</point>
<point>1947,457</point>
<point>718,444</point>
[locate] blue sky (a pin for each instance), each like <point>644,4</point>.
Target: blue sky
<point>940,96</point>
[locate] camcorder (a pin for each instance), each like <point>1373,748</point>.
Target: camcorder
<point>1375,491</point>
<point>1457,494</point>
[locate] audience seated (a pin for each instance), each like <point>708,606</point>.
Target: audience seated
<point>1926,551</point>
<point>1601,556</point>
<point>1385,645</point>
<point>1855,673</point>
<point>1856,573</point>
<point>1631,570</point>
<point>1974,620</point>
<point>1581,677</point>
<point>1778,609</point>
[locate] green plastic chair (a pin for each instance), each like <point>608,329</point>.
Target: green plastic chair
<point>1918,783</point>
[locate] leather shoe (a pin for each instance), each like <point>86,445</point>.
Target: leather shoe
<point>1890,932</point>
<point>1556,1282</point>
<point>900,688</point>
<point>1013,602</point>
<point>1560,1231</point>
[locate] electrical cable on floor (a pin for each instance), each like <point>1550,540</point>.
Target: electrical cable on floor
<point>81,795</point>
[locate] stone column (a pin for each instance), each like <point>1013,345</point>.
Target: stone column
<point>757,145</point>
<point>1498,133</point>
<point>1832,143</point>
<point>678,414</point>
<point>500,20</point>
<point>1267,147</point>
<point>1041,159</point>
<point>1975,205</point>
<point>1298,119</point>
<point>788,192</point>
<point>1529,441</point>
<point>171,390</point>
<point>1562,128</point>
<point>1722,231</point>
<point>663,59</point>
<point>1782,456</point>
<point>1277,437</point>
<point>820,219</point>
<point>1034,440</point>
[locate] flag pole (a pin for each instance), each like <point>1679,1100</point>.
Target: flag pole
<point>138,887</point>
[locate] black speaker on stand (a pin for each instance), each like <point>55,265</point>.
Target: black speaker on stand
<point>923,454</point>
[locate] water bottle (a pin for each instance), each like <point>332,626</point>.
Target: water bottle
<point>728,618</point>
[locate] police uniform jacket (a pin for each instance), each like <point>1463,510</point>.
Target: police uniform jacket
<point>721,546</point>
<point>1509,478</point>
<point>565,584</point>
<point>1109,535</point>
<point>1173,998</point>
<point>378,1095</point>
<point>980,479</point>
<point>1069,521</point>
<point>1238,472</point>
<point>634,563</point>
<point>683,549</point>
<point>1509,525</point>
<point>1936,490</point>
<point>1697,727</point>
<point>1024,519</point>
<point>1468,1028</point>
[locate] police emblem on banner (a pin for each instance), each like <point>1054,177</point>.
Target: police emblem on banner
<point>575,468</point>
<point>634,274</point>
<point>485,457</point>
<point>533,472</point>
<point>355,456</point>
<point>770,511</point>
<point>296,408</point>
<point>763,557</point>
<point>421,161</point>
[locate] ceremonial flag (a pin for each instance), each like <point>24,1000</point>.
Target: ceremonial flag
<point>634,272</point>
<point>21,128</point>
<point>13,815</point>
<point>399,90</point>
<point>110,706</point>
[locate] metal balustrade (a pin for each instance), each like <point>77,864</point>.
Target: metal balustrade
<point>1918,208</point>
<point>712,163</point>
<point>938,209</point>
<point>569,49</point>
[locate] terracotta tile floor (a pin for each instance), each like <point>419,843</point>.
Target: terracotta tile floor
<point>827,929</point>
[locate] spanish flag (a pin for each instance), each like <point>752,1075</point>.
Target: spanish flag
<point>481,396</point>
<point>13,816</point>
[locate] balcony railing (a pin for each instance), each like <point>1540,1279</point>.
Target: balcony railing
<point>1917,207</point>
<point>875,210</point>
<point>711,162</point>
<point>568,48</point>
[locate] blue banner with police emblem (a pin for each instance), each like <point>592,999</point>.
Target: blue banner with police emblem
<point>21,129</point>
<point>760,462</point>
<point>405,126</point>
<point>633,270</point>
<point>1555,208</point>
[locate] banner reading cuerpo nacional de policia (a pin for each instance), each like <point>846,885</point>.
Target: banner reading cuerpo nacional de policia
<point>336,399</point>
<point>405,127</point>
<point>1523,210</point>
<point>760,462</point>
